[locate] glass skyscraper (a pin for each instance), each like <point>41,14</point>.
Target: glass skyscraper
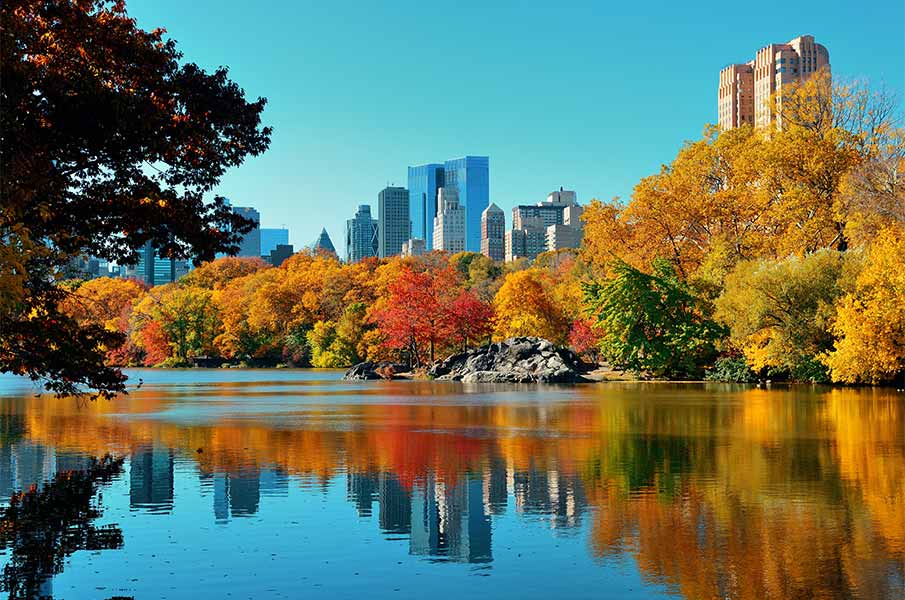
<point>361,235</point>
<point>470,175</point>
<point>394,227</point>
<point>270,238</point>
<point>424,181</point>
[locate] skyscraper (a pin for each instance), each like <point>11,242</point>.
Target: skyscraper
<point>393,224</point>
<point>449,224</point>
<point>493,228</point>
<point>270,238</point>
<point>744,92</point>
<point>361,235</point>
<point>550,225</point>
<point>423,183</point>
<point>470,176</point>
<point>250,246</point>
<point>154,270</point>
<point>323,242</point>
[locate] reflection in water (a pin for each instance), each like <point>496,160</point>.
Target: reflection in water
<point>709,491</point>
<point>41,527</point>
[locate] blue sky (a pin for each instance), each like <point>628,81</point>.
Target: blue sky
<point>576,94</point>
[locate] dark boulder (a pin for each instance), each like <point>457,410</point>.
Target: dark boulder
<point>375,370</point>
<point>516,360</point>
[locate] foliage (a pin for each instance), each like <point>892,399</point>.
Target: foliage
<point>328,349</point>
<point>585,340</point>
<point>652,323</point>
<point>731,369</point>
<point>525,305</point>
<point>779,312</point>
<point>870,321</point>
<point>109,142</point>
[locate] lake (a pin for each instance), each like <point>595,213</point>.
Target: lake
<point>293,483</point>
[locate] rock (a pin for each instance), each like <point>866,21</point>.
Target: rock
<point>374,370</point>
<point>516,360</point>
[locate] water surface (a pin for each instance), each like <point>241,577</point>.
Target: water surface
<point>253,484</point>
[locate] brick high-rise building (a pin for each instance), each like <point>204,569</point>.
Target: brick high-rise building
<point>743,96</point>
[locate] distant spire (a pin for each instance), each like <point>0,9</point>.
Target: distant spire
<point>323,242</point>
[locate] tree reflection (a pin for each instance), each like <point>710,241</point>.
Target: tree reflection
<point>41,527</point>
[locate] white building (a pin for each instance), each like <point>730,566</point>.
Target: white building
<point>413,247</point>
<point>449,224</point>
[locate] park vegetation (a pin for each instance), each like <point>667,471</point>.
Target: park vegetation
<point>772,253</point>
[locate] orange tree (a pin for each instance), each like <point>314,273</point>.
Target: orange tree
<point>90,100</point>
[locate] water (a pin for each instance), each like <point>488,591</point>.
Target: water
<point>286,484</point>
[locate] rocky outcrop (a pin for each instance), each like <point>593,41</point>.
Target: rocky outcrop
<point>375,370</point>
<point>516,360</point>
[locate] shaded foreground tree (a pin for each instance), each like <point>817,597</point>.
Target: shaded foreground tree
<point>108,142</point>
<point>42,528</point>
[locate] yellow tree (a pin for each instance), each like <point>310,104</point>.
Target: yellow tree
<point>525,306</point>
<point>870,321</point>
<point>104,301</point>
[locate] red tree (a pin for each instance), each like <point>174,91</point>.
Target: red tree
<point>584,339</point>
<point>417,316</point>
<point>467,318</point>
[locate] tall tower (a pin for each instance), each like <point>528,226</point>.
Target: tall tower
<point>493,229</point>
<point>393,224</point>
<point>744,92</point>
<point>361,235</point>
<point>470,176</point>
<point>423,182</point>
<point>449,224</point>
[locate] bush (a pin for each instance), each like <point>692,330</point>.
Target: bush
<point>731,369</point>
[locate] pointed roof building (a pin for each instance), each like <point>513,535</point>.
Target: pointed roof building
<point>323,242</point>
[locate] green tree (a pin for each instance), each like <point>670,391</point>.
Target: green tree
<point>652,323</point>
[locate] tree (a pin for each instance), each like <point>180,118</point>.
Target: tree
<point>652,322</point>
<point>525,306</point>
<point>188,317</point>
<point>104,301</point>
<point>779,312</point>
<point>585,340</point>
<point>328,349</point>
<point>415,314</point>
<point>218,274</point>
<point>108,142</point>
<point>870,321</point>
<point>467,318</point>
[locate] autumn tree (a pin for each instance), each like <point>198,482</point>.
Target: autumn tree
<point>652,322</point>
<point>109,141</point>
<point>188,317</point>
<point>779,313</point>
<point>525,305</point>
<point>103,301</point>
<point>870,321</point>
<point>416,313</point>
<point>468,319</point>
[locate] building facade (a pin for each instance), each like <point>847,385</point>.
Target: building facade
<point>250,246</point>
<point>470,176</point>
<point>449,224</point>
<point>279,254</point>
<point>394,226</point>
<point>361,235</point>
<point>323,243</point>
<point>423,183</point>
<point>546,226</point>
<point>414,247</point>
<point>493,231</point>
<point>271,238</point>
<point>154,270</point>
<point>744,92</point>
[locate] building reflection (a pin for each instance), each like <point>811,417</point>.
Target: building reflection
<point>151,475</point>
<point>739,494</point>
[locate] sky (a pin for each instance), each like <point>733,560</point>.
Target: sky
<point>590,96</point>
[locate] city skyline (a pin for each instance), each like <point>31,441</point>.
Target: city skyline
<point>547,114</point>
